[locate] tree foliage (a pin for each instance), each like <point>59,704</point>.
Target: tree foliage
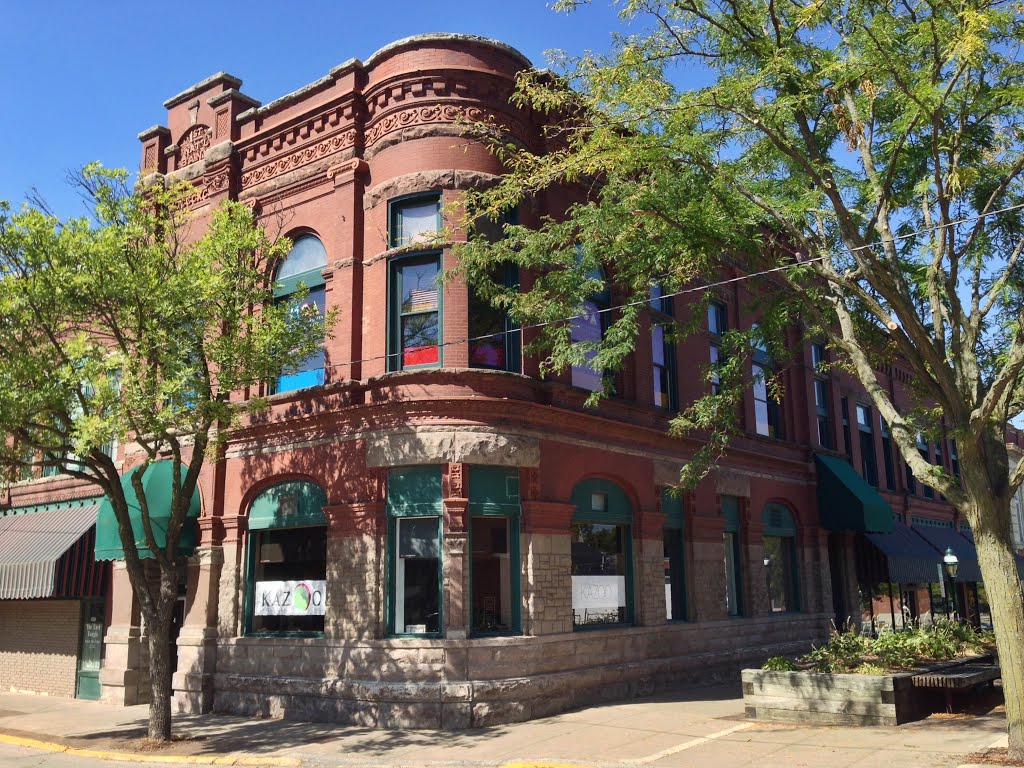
<point>130,325</point>
<point>864,156</point>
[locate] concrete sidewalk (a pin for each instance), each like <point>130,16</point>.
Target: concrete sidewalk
<point>699,727</point>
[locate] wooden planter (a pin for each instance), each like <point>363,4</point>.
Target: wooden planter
<point>832,699</point>
<point>826,699</point>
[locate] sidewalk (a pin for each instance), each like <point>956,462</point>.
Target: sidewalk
<point>699,727</point>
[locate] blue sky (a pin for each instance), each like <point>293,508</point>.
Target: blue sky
<point>82,79</point>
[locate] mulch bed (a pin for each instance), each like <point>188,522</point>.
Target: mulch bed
<point>993,756</point>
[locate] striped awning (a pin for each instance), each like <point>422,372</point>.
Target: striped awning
<point>33,545</point>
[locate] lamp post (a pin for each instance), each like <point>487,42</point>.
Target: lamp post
<point>950,562</point>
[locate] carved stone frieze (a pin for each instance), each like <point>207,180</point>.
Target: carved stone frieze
<point>299,158</point>
<point>438,113</point>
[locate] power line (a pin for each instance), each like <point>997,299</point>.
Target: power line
<point>684,291</point>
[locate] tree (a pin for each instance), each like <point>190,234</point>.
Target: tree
<point>868,154</point>
<point>128,326</point>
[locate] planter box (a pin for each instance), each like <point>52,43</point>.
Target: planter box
<point>827,699</point>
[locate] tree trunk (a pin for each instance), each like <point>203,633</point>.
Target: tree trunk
<point>999,572</point>
<point>159,630</point>
<point>985,474</point>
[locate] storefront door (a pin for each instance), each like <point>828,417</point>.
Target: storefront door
<point>91,651</point>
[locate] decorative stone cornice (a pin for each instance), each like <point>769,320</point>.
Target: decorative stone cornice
<point>221,77</point>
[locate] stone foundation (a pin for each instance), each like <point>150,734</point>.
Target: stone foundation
<point>452,684</point>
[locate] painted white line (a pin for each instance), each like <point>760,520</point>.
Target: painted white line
<point>688,744</point>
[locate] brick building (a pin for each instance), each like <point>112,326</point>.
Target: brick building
<point>421,531</point>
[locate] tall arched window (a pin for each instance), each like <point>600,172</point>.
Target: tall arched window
<point>302,267</point>
<point>780,558</point>
<point>602,553</point>
<point>287,572</point>
<point>590,326</point>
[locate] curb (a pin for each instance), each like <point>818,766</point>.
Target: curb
<point>127,757</point>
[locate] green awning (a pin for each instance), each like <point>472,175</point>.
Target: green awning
<point>845,500</point>
<point>156,485</point>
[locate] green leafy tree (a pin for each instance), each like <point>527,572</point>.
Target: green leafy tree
<point>130,326</point>
<point>868,153</point>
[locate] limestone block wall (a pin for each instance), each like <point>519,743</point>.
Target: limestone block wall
<point>355,587</point>
<point>547,583</point>
<point>649,559</point>
<point>39,646</point>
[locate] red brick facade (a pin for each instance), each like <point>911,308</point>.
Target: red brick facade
<point>327,161</point>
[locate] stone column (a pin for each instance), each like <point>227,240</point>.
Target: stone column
<point>649,558</point>
<point>124,677</point>
<point>192,682</point>
<point>231,583</point>
<point>706,568</point>
<point>755,575</point>
<point>546,567</point>
<point>813,570</point>
<point>455,560</point>
<point>355,582</point>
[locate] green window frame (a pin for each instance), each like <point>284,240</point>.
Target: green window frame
<point>733,552</point>
<point>602,534</point>
<point>411,306</point>
<point>782,575</point>
<point>414,494</point>
<point>302,268</point>
<point>494,496</point>
<point>676,604</point>
<point>663,351</point>
<point>285,518</point>
<point>495,339</point>
<point>400,218</point>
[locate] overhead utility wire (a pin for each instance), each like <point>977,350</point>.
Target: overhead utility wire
<point>696,289</point>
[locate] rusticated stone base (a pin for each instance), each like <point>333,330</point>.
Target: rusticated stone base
<point>454,684</point>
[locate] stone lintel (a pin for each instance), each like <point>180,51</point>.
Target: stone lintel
<point>154,131</point>
<point>465,446</point>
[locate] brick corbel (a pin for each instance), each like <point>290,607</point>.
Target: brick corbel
<point>456,516</point>
<point>346,172</point>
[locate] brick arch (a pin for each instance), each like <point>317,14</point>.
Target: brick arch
<point>260,486</point>
<point>627,488</point>
<point>782,502</point>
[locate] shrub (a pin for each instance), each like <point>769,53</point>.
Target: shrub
<point>867,668</point>
<point>779,664</point>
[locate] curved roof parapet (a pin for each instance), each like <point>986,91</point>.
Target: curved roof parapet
<point>445,37</point>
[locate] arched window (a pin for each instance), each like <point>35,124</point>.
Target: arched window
<point>602,551</point>
<point>287,583</point>
<point>302,267</point>
<point>780,558</point>
<point>590,327</point>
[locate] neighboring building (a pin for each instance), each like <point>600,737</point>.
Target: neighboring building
<point>420,531</point>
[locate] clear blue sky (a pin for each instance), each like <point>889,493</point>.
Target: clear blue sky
<point>82,79</point>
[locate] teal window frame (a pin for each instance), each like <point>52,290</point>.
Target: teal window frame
<point>730,506</point>
<point>264,515</point>
<point>412,492</point>
<point>511,334</point>
<point>664,373</point>
<point>778,523</point>
<point>675,522</point>
<point>396,315</point>
<point>398,204</point>
<point>284,289</point>
<point>618,512</point>
<point>494,493</point>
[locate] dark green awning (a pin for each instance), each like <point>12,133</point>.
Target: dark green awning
<point>908,557</point>
<point>845,500</point>
<point>156,485</point>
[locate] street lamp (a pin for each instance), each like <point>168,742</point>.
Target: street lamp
<point>950,563</point>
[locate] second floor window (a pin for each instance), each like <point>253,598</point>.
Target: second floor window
<point>414,220</point>
<point>868,461</point>
<point>887,461</point>
<point>662,350</point>
<point>718,324</point>
<point>589,326</point>
<point>767,414</point>
<point>415,316</point>
<point>302,267</point>
<point>922,448</point>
